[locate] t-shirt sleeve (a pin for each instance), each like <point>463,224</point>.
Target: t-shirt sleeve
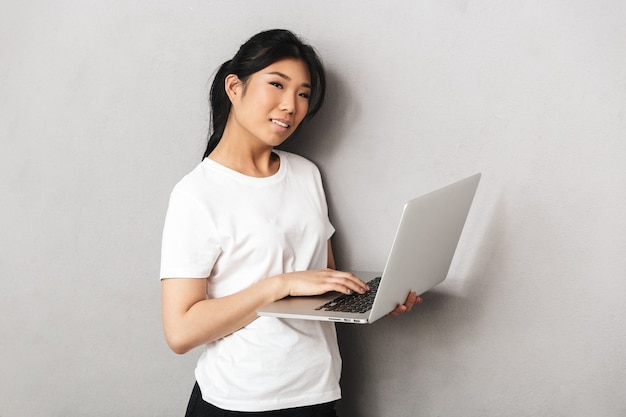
<point>190,246</point>
<point>330,229</point>
<point>321,196</point>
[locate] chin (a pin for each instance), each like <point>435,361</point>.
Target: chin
<point>277,142</point>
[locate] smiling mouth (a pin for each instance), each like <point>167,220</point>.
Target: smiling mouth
<point>279,123</point>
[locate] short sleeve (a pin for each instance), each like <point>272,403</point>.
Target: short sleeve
<point>190,246</point>
<point>321,197</point>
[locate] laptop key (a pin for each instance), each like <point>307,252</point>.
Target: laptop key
<point>355,303</point>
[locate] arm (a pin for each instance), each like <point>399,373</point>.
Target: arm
<point>190,320</point>
<point>331,257</point>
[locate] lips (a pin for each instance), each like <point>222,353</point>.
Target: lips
<point>280,122</point>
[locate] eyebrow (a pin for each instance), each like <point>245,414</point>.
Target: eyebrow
<point>286,77</point>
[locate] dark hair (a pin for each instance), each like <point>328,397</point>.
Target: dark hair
<point>260,51</point>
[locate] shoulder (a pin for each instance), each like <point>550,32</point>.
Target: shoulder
<point>197,180</point>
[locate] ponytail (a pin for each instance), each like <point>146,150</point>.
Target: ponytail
<point>220,107</point>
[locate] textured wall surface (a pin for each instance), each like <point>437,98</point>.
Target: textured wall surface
<point>103,108</point>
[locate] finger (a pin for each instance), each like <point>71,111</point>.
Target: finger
<point>349,287</point>
<point>350,283</point>
<point>339,283</point>
<point>398,310</point>
<point>411,300</point>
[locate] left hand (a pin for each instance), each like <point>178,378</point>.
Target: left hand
<point>411,300</point>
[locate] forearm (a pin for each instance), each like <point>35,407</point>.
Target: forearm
<point>208,320</point>
<point>189,320</point>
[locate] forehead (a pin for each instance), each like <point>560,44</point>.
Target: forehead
<point>291,69</point>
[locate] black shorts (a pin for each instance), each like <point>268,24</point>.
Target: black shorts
<point>199,408</point>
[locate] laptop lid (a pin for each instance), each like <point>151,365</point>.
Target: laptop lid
<point>420,257</point>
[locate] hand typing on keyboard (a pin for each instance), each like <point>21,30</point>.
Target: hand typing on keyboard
<point>355,303</point>
<point>316,282</point>
<point>361,303</point>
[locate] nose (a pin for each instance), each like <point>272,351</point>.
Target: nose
<point>288,104</point>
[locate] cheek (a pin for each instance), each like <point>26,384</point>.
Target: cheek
<point>303,108</point>
<point>265,98</point>
<point>257,101</point>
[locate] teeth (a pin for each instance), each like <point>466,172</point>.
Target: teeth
<point>279,123</point>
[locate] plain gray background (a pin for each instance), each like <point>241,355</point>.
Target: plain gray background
<point>103,109</point>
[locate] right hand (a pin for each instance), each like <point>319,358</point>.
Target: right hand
<point>321,281</point>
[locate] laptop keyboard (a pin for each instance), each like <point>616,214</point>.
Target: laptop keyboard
<point>355,303</point>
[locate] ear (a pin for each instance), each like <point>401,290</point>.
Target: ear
<point>232,85</point>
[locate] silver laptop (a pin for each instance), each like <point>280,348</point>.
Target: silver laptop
<point>420,257</point>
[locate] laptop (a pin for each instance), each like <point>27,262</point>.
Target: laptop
<point>420,257</point>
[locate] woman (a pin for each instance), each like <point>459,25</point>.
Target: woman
<point>248,226</point>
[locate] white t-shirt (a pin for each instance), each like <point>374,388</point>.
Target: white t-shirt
<point>237,230</point>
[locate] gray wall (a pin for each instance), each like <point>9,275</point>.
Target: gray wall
<point>102,110</point>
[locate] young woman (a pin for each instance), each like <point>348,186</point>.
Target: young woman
<point>248,226</point>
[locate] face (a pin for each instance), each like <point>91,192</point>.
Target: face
<point>270,105</point>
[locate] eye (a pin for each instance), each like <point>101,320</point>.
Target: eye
<point>305,95</point>
<point>276,84</point>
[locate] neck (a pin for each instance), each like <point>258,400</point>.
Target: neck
<point>239,155</point>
